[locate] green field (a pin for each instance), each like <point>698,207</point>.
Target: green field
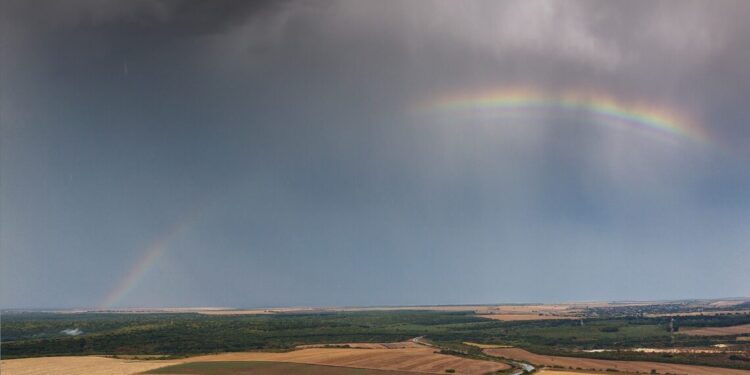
<point>266,368</point>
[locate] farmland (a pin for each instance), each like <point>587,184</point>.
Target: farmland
<point>422,359</point>
<point>342,361</point>
<point>268,368</point>
<point>431,340</point>
<point>609,365</point>
<point>90,365</point>
<point>719,331</point>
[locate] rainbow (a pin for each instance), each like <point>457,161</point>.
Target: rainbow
<point>149,257</point>
<point>606,109</point>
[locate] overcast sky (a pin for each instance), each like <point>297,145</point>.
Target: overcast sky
<point>249,154</point>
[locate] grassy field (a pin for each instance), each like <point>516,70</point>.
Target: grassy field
<point>266,368</point>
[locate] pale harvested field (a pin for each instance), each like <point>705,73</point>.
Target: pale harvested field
<point>79,365</point>
<point>419,360</point>
<point>699,313</point>
<point>236,312</point>
<point>486,346</point>
<point>367,345</point>
<point>542,311</point>
<point>602,364</point>
<point>411,359</point>
<point>554,308</point>
<point>520,317</point>
<point>717,331</point>
<point>555,372</point>
<point>726,303</point>
<point>283,310</point>
<point>564,308</point>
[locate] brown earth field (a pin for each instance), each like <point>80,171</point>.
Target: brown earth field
<point>266,368</point>
<point>420,360</point>
<point>366,345</point>
<point>717,331</point>
<point>603,364</point>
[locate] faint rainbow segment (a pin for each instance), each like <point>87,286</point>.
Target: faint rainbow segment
<point>149,257</point>
<point>605,109</point>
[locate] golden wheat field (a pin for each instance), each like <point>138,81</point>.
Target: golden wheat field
<point>421,359</point>
<point>89,365</point>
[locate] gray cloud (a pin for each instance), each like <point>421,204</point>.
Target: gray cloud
<point>295,123</point>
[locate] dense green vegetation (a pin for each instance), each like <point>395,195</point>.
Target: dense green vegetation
<point>180,334</point>
<point>41,334</point>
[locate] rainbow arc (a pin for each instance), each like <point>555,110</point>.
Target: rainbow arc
<point>605,109</point>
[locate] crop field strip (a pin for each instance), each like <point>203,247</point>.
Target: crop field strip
<point>412,359</point>
<point>604,364</point>
<point>718,331</point>
<point>89,365</point>
<point>420,360</point>
<point>266,368</point>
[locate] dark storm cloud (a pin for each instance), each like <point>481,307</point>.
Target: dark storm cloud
<point>158,18</point>
<point>293,126</point>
